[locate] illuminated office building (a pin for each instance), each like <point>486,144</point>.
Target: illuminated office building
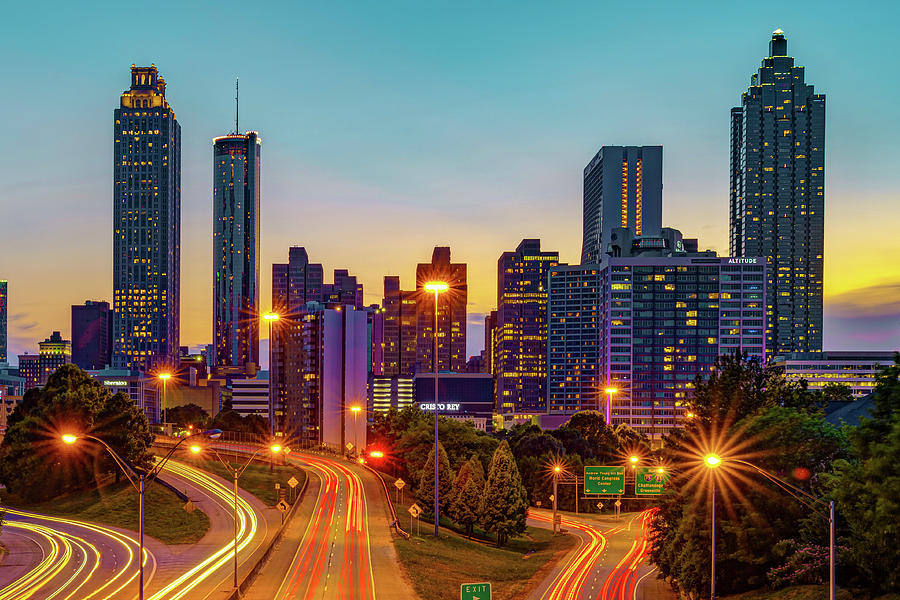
<point>855,369</point>
<point>622,188</point>
<point>146,225</point>
<point>400,329</point>
<point>451,347</point>
<point>646,321</point>
<point>30,370</point>
<point>519,338</point>
<point>236,193</point>
<point>777,197</point>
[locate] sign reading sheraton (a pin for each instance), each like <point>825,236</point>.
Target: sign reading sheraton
<point>604,480</point>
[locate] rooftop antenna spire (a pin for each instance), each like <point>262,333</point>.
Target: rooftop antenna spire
<point>237,106</point>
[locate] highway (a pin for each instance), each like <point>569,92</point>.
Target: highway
<point>607,564</point>
<point>55,558</point>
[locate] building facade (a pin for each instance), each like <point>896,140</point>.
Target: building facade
<point>646,323</point>
<point>142,390</point>
<point>461,396</point>
<point>250,397</point>
<point>236,193</point>
<point>53,353</point>
<point>92,335</point>
<point>395,392</point>
<point>622,188</point>
<point>855,369</point>
<point>400,329</point>
<point>146,225</point>
<point>519,339</point>
<point>4,307</point>
<point>451,316</point>
<point>777,197</point>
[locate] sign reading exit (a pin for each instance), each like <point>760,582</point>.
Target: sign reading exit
<point>475,591</point>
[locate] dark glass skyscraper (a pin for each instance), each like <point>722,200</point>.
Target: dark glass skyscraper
<point>451,347</point>
<point>3,310</point>
<point>146,225</point>
<point>778,195</point>
<point>91,335</point>
<point>520,335</point>
<point>622,188</point>
<point>236,187</point>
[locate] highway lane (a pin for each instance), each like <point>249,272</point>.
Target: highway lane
<point>69,560</point>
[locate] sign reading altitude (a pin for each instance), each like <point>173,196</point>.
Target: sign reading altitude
<point>604,480</point>
<point>650,480</point>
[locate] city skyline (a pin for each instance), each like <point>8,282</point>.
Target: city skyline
<point>492,213</point>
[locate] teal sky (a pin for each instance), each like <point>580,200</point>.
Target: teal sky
<point>391,127</point>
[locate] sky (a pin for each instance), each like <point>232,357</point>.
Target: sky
<point>392,127</point>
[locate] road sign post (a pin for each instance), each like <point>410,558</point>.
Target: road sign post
<point>475,591</point>
<point>607,480</point>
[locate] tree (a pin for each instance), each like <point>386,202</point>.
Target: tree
<point>33,463</point>
<point>425,489</point>
<point>467,489</point>
<point>866,489</point>
<point>187,414</point>
<point>504,504</point>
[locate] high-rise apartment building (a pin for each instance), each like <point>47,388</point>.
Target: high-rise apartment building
<point>53,353</point>
<point>91,335</point>
<point>520,334</point>
<point>778,195</point>
<point>4,300</point>
<point>646,322</point>
<point>400,327</point>
<point>236,192</point>
<point>451,332</point>
<point>30,370</point>
<point>622,188</point>
<point>146,225</point>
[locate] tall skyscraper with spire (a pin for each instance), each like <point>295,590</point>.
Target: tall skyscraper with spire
<point>146,225</point>
<point>777,198</point>
<point>236,191</point>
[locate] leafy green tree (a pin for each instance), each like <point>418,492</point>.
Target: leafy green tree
<point>867,489</point>
<point>36,466</point>
<point>187,414</point>
<point>504,505</point>
<point>124,426</point>
<point>425,489</point>
<point>467,490</point>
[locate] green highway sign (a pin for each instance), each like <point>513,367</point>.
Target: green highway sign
<point>475,591</point>
<point>604,480</point>
<point>650,480</point>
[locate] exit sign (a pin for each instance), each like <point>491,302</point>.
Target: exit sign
<point>475,591</point>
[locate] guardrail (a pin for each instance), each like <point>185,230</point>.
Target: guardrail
<point>395,522</point>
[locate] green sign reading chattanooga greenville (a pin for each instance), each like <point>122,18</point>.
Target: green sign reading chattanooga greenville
<point>650,480</point>
<point>604,480</point>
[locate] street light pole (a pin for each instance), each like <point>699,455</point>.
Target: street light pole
<point>609,392</point>
<point>712,581</point>
<point>556,470</point>
<point>437,287</point>
<point>270,318</point>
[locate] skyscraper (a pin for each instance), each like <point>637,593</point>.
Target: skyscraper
<point>622,188</point>
<point>146,225</point>
<point>520,335</point>
<point>451,314</point>
<point>3,309</point>
<point>400,322</point>
<point>91,335</point>
<point>236,187</point>
<point>778,195</point>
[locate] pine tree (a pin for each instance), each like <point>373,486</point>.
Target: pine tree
<point>467,490</point>
<point>425,490</point>
<point>503,505</point>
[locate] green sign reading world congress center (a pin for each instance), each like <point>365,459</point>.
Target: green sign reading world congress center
<point>604,480</point>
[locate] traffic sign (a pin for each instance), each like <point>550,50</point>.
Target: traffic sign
<point>189,507</point>
<point>293,482</point>
<point>650,480</point>
<point>349,446</point>
<point>283,506</point>
<point>415,511</point>
<point>399,484</point>
<point>604,480</point>
<point>475,591</point>
<point>599,506</point>
<point>618,503</point>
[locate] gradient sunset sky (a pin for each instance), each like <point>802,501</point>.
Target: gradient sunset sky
<point>392,127</point>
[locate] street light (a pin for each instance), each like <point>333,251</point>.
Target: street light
<point>236,472</point>
<point>437,287</point>
<point>138,481</point>
<point>556,471</point>
<point>164,378</point>
<point>609,393</point>
<point>713,461</point>
<point>270,318</point>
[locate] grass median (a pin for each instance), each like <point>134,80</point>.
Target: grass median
<point>116,504</point>
<point>257,479</point>
<point>451,560</point>
<point>803,592</point>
